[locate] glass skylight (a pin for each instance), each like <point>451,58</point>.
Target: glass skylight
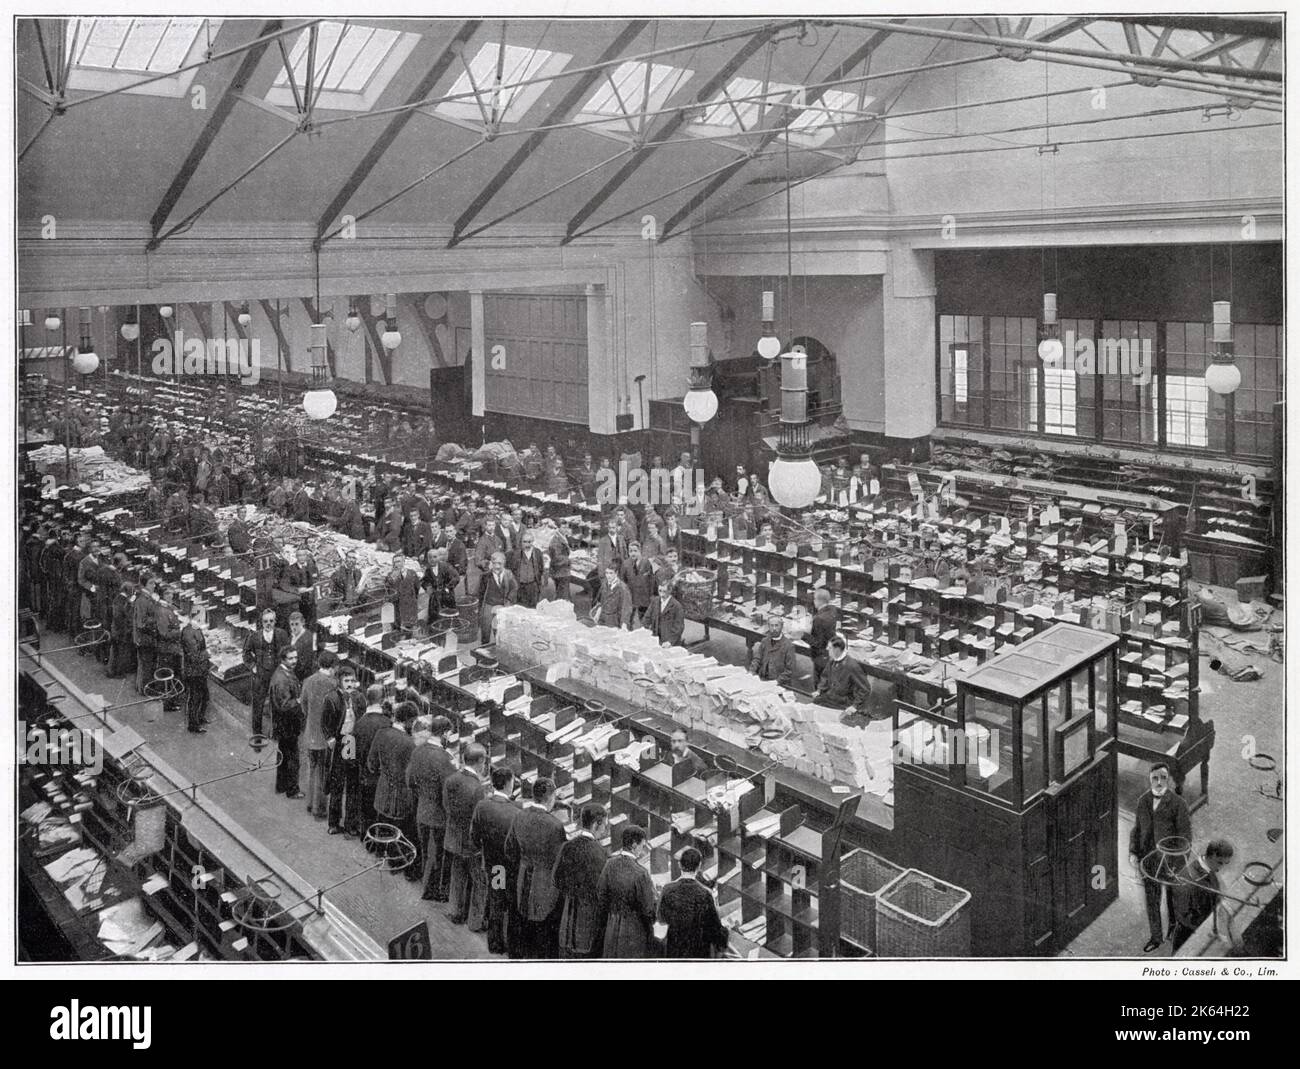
<point>743,103</point>
<point>347,56</point>
<point>625,95</point>
<point>500,95</point>
<point>146,46</point>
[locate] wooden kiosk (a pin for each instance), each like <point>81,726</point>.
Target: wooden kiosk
<point>1010,787</point>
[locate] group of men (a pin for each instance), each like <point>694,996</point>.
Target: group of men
<point>124,616</point>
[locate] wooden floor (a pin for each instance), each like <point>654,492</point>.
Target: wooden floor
<point>383,904</point>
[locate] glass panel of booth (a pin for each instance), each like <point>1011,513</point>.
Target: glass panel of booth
<point>990,749</point>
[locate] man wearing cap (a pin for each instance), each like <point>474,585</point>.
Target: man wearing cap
<point>194,671</point>
<point>426,773</point>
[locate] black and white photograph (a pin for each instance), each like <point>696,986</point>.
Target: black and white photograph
<point>606,492</point>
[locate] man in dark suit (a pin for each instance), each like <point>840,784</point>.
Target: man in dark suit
<point>497,588</point>
<point>417,538</point>
<point>168,630</point>
<point>300,509</point>
<point>263,650</point>
<point>824,625</point>
<point>440,581</point>
<point>389,754</point>
<point>286,722</point>
<point>121,658</point>
<point>527,566</point>
<point>429,767</point>
<point>489,830</point>
<point>1161,815</point>
<point>625,899</point>
<point>638,576</point>
<point>144,632</point>
<point>681,753</point>
<point>457,557</point>
<point>561,569</point>
<point>460,795</point>
<point>340,714</point>
<point>532,848</point>
<point>304,641</point>
<point>375,718</point>
<point>1196,892</point>
<point>404,589</point>
<point>694,928</point>
<point>844,683</point>
<point>345,584</point>
<point>666,619</point>
<point>774,654</point>
<point>576,876</point>
<point>195,664</point>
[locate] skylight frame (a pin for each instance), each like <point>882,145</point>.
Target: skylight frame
<point>333,97</point>
<point>625,87</point>
<point>94,77</point>
<point>522,64</point>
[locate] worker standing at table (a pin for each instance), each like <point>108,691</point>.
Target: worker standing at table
<point>262,652</point>
<point>825,622</point>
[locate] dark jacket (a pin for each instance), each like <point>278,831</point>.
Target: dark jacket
<point>427,771</point>
<point>1152,823</point>
<point>625,909</point>
<point>639,577</point>
<point>844,682</point>
<point>576,876</point>
<point>665,622</point>
<point>262,656</point>
<point>144,621</point>
<point>121,619</point>
<point>168,630</point>
<point>489,832</point>
<point>286,707</point>
<point>1195,895</point>
<point>532,848</point>
<point>194,649</point>
<point>404,589</point>
<point>774,659</point>
<point>388,756</point>
<point>694,928</point>
<point>460,794</point>
<point>305,644</point>
<point>824,625</point>
<point>368,725</point>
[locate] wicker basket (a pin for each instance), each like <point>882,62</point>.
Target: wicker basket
<point>919,916</point>
<point>696,595</point>
<point>863,878</point>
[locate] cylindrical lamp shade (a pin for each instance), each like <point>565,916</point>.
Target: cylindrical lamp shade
<point>1222,321</point>
<point>319,404</point>
<point>1223,377</point>
<point>391,339</point>
<point>1049,309</point>
<point>794,483</point>
<point>769,306</point>
<point>701,405</point>
<point>85,363</point>
<point>794,388</point>
<point>699,344</point>
<point>130,331</point>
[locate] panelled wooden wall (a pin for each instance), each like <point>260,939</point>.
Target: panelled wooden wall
<point>536,360</point>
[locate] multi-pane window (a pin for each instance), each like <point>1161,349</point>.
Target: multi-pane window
<point>1258,353</point>
<point>961,370</point>
<point>1013,364</point>
<point>1148,396</point>
<point>347,56</point>
<point>145,46</point>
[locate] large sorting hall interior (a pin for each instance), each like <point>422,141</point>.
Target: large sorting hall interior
<point>626,488</point>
